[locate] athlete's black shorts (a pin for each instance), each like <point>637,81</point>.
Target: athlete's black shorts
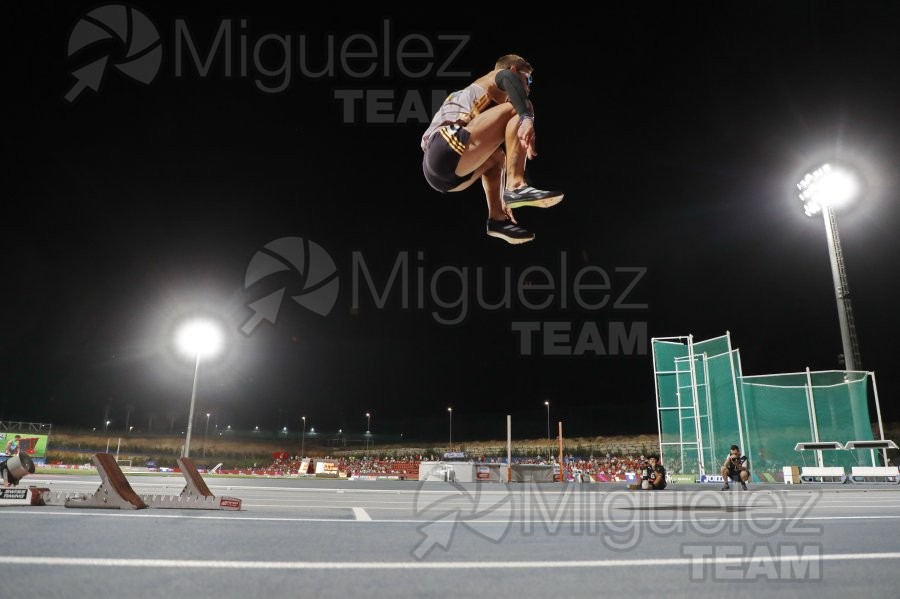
<point>442,156</point>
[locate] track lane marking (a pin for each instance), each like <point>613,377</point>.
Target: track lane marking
<point>474,565</point>
<point>503,521</point>
<point>361,515</point>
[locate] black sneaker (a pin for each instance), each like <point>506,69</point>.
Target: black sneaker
<point>726,487</point>
<point>743,485</point>
<point>508,231</point>
<point>529,196</point>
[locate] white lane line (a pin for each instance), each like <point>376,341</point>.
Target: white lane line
<point>337,502</point>
<point>595,498</point>
<point>361,515</point>
<point>766,519</point>
<point>479,565</point>
<point>758,512</point>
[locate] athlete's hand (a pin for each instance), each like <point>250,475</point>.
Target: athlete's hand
<point>527,136</point>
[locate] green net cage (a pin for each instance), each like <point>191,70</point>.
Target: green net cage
<point>705,404</point>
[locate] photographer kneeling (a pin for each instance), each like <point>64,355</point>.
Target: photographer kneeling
<point>735,469</point>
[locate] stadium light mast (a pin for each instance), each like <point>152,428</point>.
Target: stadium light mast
<point>206,434</point>
<point>303,440</point>
<point>197,338</point>
<point>547,403</point>
<point>823,190</point>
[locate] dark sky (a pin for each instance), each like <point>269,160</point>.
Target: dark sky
<point>678,133</point>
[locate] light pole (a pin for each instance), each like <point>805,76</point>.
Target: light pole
<point>303,439</point>
<point>197,338</point>
<point>107,425</point>
<point>206,435</point>
<point>368,429</point>
<point>450,412</point>
<point>547,403</point>
<point>821,191</point>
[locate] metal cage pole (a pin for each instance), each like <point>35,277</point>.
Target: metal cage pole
<point>743,402</point>
<point>813,421</point>
<point>878,412</point>
<point>695,401</point>
<point>662,451</point>
<point>709,419</point>
<point>737,406</point>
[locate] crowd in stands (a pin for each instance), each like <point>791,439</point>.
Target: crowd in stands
<point>406,467</point>
<point>605,469</point>
<point>608,468</point>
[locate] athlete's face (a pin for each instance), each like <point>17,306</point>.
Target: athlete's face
<point>525,76</point>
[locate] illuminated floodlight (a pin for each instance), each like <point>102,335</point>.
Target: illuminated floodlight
<point>826,186</point>
<point>199,338</point>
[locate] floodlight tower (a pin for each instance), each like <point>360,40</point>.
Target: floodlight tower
<point>197,338</point>
<point>821,191</point>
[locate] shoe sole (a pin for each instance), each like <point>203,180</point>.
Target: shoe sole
<point>541,203</point>
<point>512,240</point>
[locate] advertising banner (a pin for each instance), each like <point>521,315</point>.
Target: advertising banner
<point>326,469</point>
<point>712,478</point>
<point>684,478</point>
<point>33,444</point>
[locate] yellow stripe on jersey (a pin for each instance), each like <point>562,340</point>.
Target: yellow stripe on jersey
<point>457,145</point>
<point>477,107</point>
<point>480,104</point>
<point>453,142</point>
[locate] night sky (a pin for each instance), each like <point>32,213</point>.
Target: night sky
<point>678,134</point>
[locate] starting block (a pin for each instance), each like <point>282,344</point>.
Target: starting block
<point>29,496</point>
<point>114,491</point>
<point>195,495</point>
